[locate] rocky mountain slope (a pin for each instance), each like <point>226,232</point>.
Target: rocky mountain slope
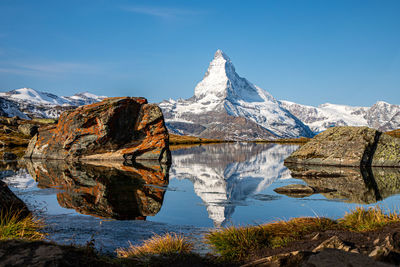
<point>381,115</point>
<point>228,106</point>
<point>29,103</point>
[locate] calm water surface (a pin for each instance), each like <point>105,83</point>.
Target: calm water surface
<point>207,186</point>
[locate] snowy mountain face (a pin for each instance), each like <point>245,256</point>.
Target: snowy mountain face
<point>29,103</point>
<point>382,115</point>
<point>235,173</point>
<point>10,109</point>
<point>228,106</point>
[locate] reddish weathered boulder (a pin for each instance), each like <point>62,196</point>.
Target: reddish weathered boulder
<point>118,128</point>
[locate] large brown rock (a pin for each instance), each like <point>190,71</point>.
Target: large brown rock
<point>118,128</point>
<point>349,146</point>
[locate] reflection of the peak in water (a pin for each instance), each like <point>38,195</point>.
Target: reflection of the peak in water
<point>355,185</point>
<point>226,175</point>
<point>111,190</point>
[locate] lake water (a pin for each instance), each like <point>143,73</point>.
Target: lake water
<point>206,187</point>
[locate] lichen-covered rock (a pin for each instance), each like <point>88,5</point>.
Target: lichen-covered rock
<point>349,146</point>
<point>118,128</point>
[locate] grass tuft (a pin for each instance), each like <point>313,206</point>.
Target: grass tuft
<point>12,226</point>
<point>361,219</point>
<point>237,243</point>
<point>170,243</point>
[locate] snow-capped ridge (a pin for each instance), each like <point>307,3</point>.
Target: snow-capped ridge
<point>29,103</point>
<point>381,115</point>
<point>226,95</point>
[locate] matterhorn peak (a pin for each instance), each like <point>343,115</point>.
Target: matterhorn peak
<point>218,78</point>
<point>221,54</point>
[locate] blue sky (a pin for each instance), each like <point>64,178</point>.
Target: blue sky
<point>310,52</point>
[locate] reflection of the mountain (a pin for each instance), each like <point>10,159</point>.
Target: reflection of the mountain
<point>111,190</point>
<point>225,175</point>
<point>364,186</point>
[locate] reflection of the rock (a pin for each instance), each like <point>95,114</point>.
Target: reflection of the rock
<point>111,190</point>
<point>225,175</point>
<point>355,185</point>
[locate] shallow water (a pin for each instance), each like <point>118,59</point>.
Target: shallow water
<point>207,186</point>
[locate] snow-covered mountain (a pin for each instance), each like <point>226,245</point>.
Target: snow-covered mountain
<point>381,115</point>
<point>226,105</point>
<point>10,109</point>
<point>237,172</point>
<point>29,103</point>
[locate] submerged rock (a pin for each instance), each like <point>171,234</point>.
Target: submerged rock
<point>298,190</point>
<point>118,128</point>
<point>349,146</point>
<point>356,185</point>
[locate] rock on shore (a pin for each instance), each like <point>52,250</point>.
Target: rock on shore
<point>349,146</point>
<point>9,202</point>
<point>118,128</point>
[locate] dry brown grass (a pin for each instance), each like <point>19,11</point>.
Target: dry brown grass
<point>301,140</point>
<point>394,133</point>
<point>188,140</point>
<point>170,243</point>
<point>237,243</point>
<point>361,219</point>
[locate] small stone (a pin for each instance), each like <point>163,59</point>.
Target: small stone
<point>284,259</point>
<point>28,129</point>
<point>378,252</point>
<point>7,129</point>
<point>376,241</point>
<point>297,190</point>
<point>333,242</point>
<point>317,236</point>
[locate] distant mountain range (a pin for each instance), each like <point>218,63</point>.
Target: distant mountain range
<point>224,105</point>
<point>381,115</point>
<point>29,103</point>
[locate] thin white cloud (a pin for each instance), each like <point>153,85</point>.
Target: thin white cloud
<point>161,12</point>
<point>45,69</point>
